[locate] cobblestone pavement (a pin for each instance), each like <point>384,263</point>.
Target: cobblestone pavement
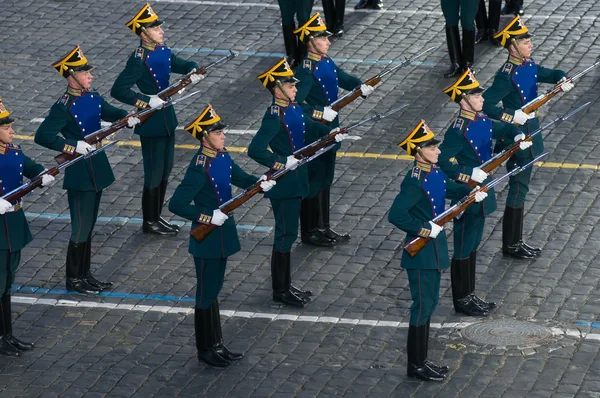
<point>138,339</point>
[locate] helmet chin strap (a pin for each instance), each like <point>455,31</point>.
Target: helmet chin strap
<point>149,37</point>
<point>72,74</point>
<point>206,136</point>
<point>422,155</point>
<point>314,45</point>
<point>464,96</point>
<point>280,85</point>
<point>514,44</point>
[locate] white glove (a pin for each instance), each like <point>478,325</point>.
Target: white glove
<point>478,175</point>
<point>329,114</point>
<point>266,184</point>
<point>522,144</point>
<point>366,90</point>
<point>565,85</point>
<point>83,147</point>
<point>4,206</point>
<point>522,117</point>
<point>132,121</point>
<point>48,180</point>
<point>218,217</point>
<point>479,195</point>
<point>196,77</point>
<point>155,102</point>
<point>435,230</point>
<point>291,162</point>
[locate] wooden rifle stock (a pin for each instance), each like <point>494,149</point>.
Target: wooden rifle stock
<point>496,161</point>
<point>353,95</point>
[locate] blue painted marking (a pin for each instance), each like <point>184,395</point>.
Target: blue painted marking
<point>124,220</point>
<point>210,51</point>
<point>593,325</point>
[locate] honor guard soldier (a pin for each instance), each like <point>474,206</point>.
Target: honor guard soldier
<point>149,67</point>
<point>422,197</point>
<point>487,24</point>
<point>515,85</point>
<point>285,129</point>
<point>334,11</point>
<point>77,114</point>
<point>467,144</point>
<point>460,58</point>
<point>319,80</point>
<point>14,230</point>
<point>207,183</point>
<point>301,9</point>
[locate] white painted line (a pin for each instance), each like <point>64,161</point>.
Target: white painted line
<point>592,336</point>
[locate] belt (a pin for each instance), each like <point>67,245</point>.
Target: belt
<point>14,208</point>
<point>98,144</point>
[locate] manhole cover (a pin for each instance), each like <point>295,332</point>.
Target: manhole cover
<point>507,332</point>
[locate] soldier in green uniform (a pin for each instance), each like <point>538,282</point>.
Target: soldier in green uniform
<point>14,230</point>
<point>207,183</point>
<point>320,79</point>
<point>301,9</point>
<point>460,58</point>
<point>285,129</point>
<point>516,84</point>
<point>149,67</point>
<point>77,114</point>
<point>468,143</point>
<point>422,197</point>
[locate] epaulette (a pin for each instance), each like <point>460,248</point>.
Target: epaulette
<point>416,173</point>
<point>139,53</point>
<point>64,100</point>
<point>275,109</point>
<point>507,68</point>
<point>458,124</point>
<point>200,161</point>
<point>308,64</point>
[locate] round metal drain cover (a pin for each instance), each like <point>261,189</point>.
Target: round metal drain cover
<point>507,332</point>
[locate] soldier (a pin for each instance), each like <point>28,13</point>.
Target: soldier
<point>422,195</point>
<point>301,9</point>
<point>317,89</point>
<point>468,144</point>
<point>207,183</point>
<point>515,84</point>
<point>487,25</point>
<point>14,231</point>
<point>334,15</point>
<point>149,67</point>
<point>75,115</point>
<point>285,129</point>
<point>460,60</point>
<point>372,4</point>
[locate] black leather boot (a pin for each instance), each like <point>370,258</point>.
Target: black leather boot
<point>416,348</point>
<point>87,273</point>
<point>460,278</point>
<point>8,333</point>
<point>76,257</point>
<point>303,294</point>
<point>468,49</point>
<point>219,346</point>
<point>291,44</point>
<point>511,234</point>
<point>442,369</point>
<point>300,52</point>
<point>329,13</point>
<point>323,218</point>
<point>281,281</point>
<point>6,347</point>
<point>161,203</point>
<point>536,251</point>
<point>481,22</point>
<point>377,4</point>
<point>309,231</point>
<point>340,10</point>
<point>204,329</point>
<point>151,225</point>
<point>494,20</point>
<point>454,51</point>
<point>486,305</point>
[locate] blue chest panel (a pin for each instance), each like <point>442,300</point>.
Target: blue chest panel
<point>326,74</point>
<point>479,135</point>
<point>87,110</point>
<point>158,63</point>
<point>219,170</point>
<point>526,79</point>
<point>293,120</point>
<point>11,169</point>
<point>434,186</point>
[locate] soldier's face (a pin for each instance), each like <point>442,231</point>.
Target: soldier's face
<point>82,79</point>
<point>217,139</point>
<point>322,44</point>
<point>476,101</point>
<point>6,133</point>
<point>431,154</point>
<point>290,90</point>
<point>156,33</point>
<point>525,47</point>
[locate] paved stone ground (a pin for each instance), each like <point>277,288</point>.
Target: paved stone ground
<point>138,340</point>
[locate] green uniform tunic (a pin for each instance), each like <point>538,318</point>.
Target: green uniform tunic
<point>320,79</point>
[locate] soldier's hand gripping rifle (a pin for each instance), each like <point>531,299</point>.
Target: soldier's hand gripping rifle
<point>415,245</point>
<point>494,162</point>
<point>36,181</point>
<point>97,136</point>
<point>354,94</point>
<point>540,100</point>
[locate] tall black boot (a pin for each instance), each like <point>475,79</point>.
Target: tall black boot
<point>76,257</point>
<point>301,52</point>
<point>442,369</point>
<point>494,20</point>
<point>8,334</point>
<point>511,234</point>
<point>303,294</point>
<point>219,346</point>
<point>325,206</point>
<point>281,280</point>
<point>536,251</point>
<point>204,329</point>
<point>377,4</point>
<point>454,51</point>
<point>6,348</point>
<point>468,46</point>
<point>87,273</point>
<point>481,22</point>
<point>460,279</point>
<point>329,12</point>
<point>161,203</point>
<point>416,348</point>
<point>150,199</point>
<point>291,44</point>
<point>309,231</point>
<point>486,305</point>
<point>340,11</point>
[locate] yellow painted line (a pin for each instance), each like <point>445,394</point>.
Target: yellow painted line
<point>359,155</point>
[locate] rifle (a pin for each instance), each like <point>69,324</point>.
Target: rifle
<point>201,231</point>
<point>35,182</point>
<point>416,244</point>
<point>542,99</point>
<point>495,161</point>
<point>104,132</point>
<point>354,94</point>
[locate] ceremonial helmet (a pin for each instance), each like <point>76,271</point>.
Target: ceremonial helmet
<point>281,72</point>
<point>207,122</point>
<point>314,27</point>
<point>420,137</point>
<point>466,84</point>
<point>145,18</point>
<point>515,30</point>
<point>73,61</point>
<point>5,115</point>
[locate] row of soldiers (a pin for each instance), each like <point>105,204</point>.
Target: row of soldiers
<point>299,113</point>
